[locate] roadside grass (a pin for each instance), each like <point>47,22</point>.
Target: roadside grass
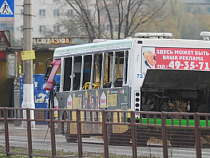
<point>58,153</point>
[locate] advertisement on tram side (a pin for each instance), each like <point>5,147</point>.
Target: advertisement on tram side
<point>175,58</point>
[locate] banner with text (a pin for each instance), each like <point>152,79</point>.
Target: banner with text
<point>175,58</point>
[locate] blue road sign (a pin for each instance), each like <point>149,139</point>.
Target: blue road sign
<point>7,8</point>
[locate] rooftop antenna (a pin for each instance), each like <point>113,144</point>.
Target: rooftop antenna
<point>205,35</point>
<point>154,35</point>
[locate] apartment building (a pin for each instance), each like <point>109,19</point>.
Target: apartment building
<point>198,6</point>
<point>45,17</point>
<point>45,14</point>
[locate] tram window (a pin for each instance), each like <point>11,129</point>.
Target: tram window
<point>77,72</point>
<point>120,69</point>
<point>108,69</point>
<point>119,66</point>
<point>97,71</point>
<point>111,77</point>
<point>126,55</point>
<point>110,66</point>
<point>106,80</point>
<point>87,71</point>
<point>67,73</point>
<point>112,69</point>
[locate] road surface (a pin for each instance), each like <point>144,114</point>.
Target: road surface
<point>41,140</point>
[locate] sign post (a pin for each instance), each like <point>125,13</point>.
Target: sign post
<point>28,89</point>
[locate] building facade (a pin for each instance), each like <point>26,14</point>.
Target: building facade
<point>45,14</point>
<point>198,6</point>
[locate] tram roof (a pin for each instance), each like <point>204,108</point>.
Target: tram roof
<point>111,45</point>
<point>123,44</point>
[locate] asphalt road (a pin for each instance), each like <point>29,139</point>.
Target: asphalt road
<point>41,140</point>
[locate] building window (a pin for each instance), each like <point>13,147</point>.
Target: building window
<point>70,12</point>
<point>56,29</point>
<point>21,12</point>
<point>42,12</point>
<point>207,10</point>
<point>3,26</point>
<point>56,13</point>
<point>42,29</point>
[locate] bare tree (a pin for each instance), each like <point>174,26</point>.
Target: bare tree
<point>111,18</point>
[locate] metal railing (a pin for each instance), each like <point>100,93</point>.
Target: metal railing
<point>164,122</point>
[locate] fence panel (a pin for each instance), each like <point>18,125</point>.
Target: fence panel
<point>82,133</point>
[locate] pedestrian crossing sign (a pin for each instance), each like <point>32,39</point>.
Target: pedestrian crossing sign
<point>6,8</point>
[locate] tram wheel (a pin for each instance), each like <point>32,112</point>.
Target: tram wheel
<point>145,107</point>
<point>165,107</point>
<point>203,109</point>
<point>65,126</point>
<point>71,138</point>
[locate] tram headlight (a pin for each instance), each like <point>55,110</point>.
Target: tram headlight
<point>137,100</point>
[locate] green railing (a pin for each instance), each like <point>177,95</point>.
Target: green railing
<point>176,122</point>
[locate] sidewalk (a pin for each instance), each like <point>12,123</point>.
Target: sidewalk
<point>14,130</point>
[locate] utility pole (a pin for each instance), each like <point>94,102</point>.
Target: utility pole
<point>28,89</point>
